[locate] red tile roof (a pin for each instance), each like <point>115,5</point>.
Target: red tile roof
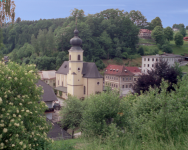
<point>133,69</point>
<point>117,70</point>
<point>145,31</point>
<point>185,38</point>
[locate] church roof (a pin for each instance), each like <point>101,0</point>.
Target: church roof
<point>49,94</point>
<point>89,70</point>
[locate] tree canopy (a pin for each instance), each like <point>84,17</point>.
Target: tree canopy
<point>178,39</point>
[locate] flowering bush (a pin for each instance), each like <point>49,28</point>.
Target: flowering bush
<point>22,121</point>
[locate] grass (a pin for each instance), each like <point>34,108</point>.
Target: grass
<point>184,69</point>
<point>179,49</point>
<point>144,41</point>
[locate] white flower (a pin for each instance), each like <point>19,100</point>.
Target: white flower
<point>27,110</point>
<point>17,135</point>
<point>2,144</point>
<point>9,77</point>
<point>21,143</point>
<point>24,146</point>
<point>5,96</point>
<point>5,130</point>
<point>1,136</point>
<point>14,115</point>
<point>2,125</point>
<point>13,145</point>
<point>1,101</point>
<point>20,104</point>
<point>18,96</point>
<point>19,116</point>
<point>3,109</point>
<point>15,78</point>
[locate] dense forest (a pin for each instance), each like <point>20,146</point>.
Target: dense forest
<point>105,35</point>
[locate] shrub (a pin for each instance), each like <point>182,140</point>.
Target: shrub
<point>22,121</point>
<point>166,48</point>
<point>101,111</point>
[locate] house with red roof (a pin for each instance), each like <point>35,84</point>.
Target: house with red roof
<point>136,71</point>
<point>185,38</point>
<point>144,33</point>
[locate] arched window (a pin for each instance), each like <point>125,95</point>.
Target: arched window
<point>69,57</point>
<point>84,90</point>
<point>78,57</point>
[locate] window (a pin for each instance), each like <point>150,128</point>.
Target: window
<point>148,65</point>
<point>134,79</point>
<point>152,59</point>
<point>106,83</point>
<point>78,69</point>
<point>97,83</point>
<point>152,65</point>
<point>116,86</point>
<point>130,78</point>
<point>62,83</point>
<point>130,86</point>
<point>148,59</point>
<point>106,76</point>
<point>144,59</point>
<point>69,57</point>
<point>123,79</point>
<point>84,90</point>
<point>127,79</point>
<point>156,59</point>
<point>144,65</point>
<point>122,86</point>
<point>112,85</point>
<point>126,86</point>
<point>112,78</point>
<point>78,57</point>
<point>58,82</point>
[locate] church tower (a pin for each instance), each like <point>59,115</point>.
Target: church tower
<point>74,76</point>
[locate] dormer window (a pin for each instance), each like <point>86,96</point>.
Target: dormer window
<point>78,57</point>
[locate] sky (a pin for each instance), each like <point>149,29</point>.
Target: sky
<point>170,11</point>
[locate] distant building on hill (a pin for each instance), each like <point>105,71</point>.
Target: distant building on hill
<point>144,33</point>
<point>48,77</point>
<point>185,38</point>
<point>175,29</point>
<point>148,62</point>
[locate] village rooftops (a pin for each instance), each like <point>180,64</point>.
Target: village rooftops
<point>48,95</point>
<point>161,56</point>
<point>50,74</point>
<point>89,70</point>
<point>135,70</point>
<point>117,70</point>
<point>145,31</point>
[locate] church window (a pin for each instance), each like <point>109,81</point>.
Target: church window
<point>84,90</point>
<point>69,57</point>
<point>78,57</point>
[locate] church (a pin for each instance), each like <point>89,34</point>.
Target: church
<point>75,77</point>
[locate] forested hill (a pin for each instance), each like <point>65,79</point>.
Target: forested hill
<point>108,34</point>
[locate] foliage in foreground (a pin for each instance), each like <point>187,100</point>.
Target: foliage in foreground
<point>153,78</point>
<point>22,121</point>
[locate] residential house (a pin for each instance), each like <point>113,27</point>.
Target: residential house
<point>144,33</point>
<point>48,77</point>
<point>119,77</point>
<point>175,29</point>
<point>48,97</point>
<point>185,38</point>
<point>148,62</point>
<point>76,77</point>
<point>136,71</point>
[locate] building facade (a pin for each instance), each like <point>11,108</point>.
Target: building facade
<point>76,77</point>
<point>119,77</point>
<point>144,33</point>
<point>148,62</point>
<point>48,77</point>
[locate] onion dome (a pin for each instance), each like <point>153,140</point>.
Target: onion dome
<point>75,41</point>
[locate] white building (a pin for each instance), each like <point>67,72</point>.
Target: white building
<point>149,61</point>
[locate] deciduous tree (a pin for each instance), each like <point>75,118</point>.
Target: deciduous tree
<point>178,39</point>
<point>168,33</point>
<point>158,35</point>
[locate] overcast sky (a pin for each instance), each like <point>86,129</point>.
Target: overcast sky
<point>170,11</point>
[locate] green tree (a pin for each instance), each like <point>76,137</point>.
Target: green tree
<point>183,31</point>
<point>141,51</point>
<point>168,33</point>
<point>1,38</point>
<point>23,122</point>
<point>186,27</point>
<point>178,39</point>
<point>71,114</point>
<point>157,35</point>
<point>156,22</point>
<point>102,110</point>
